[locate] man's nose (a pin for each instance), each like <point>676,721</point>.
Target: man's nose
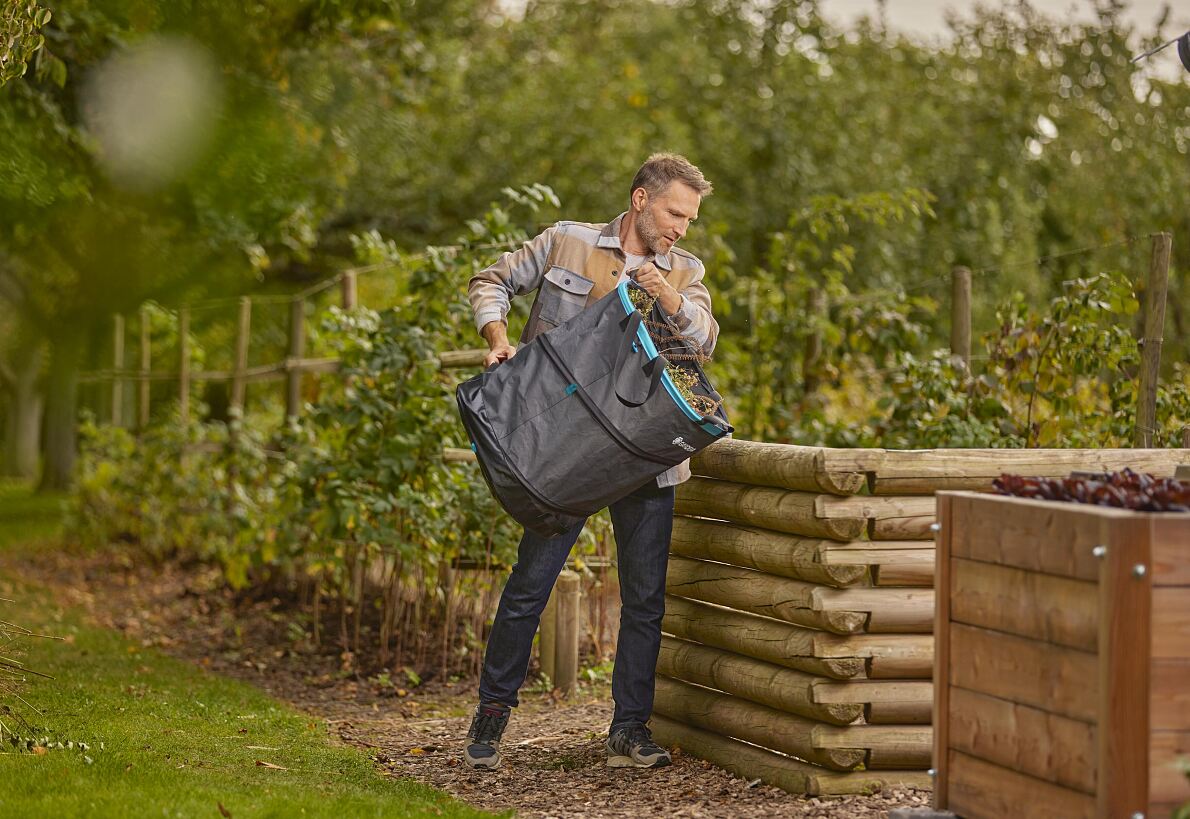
<point>682,227</point>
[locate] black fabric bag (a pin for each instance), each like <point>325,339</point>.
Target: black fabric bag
<point>586,413</point>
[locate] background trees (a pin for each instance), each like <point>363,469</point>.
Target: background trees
<point>162,154</point>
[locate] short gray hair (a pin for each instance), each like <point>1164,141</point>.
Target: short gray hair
<point>661,169</point>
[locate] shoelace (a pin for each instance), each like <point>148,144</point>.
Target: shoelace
<point>639,735</point>
<point>488,728</point>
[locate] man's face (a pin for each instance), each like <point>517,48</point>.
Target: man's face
<point>665,217</point>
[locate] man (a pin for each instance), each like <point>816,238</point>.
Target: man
<point>572,265</point>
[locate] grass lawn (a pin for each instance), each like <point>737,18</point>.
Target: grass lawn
<point>166,738</point>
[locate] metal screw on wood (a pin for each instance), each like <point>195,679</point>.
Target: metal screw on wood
<point>932,772</point>
<point>935,527</point>
<point>1138,815</point>
<point>1100,551</point>
<point>1139,570</point>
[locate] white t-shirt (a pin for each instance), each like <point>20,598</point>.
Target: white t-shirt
<point>631,262</point>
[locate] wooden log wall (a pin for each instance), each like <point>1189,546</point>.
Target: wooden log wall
<point>798,640</point>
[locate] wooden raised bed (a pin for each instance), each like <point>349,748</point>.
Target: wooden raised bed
<point>1062,659</point>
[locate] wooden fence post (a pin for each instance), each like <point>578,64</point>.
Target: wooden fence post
<point>816,309</point>
<point>547,646</point>
<point>118,366</point>
<point>142,402</point>
<point>243,329</point>
<point>184,364</point>
<point>960,315</point>
<point>1155,294</point>
<point>297,349</point>
<point>349,290</point>
<point>568,631</point>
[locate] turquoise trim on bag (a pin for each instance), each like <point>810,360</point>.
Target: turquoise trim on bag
<point>646,341</point>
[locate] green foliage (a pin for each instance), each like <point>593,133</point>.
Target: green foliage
<point>1065,377</point>
<point>359,481</point>
<point>21,40</point>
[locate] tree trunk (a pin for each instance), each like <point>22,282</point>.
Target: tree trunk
<point>61,413</point>
<point>22,422</point>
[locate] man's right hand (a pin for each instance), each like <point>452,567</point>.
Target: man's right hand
<point>500,353</point>
<point>495,333</point>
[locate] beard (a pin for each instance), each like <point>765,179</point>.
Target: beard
<point>647,232</point>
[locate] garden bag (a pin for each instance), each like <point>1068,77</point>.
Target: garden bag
<point>586,413</point>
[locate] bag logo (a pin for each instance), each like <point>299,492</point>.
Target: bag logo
<point>682,443</point>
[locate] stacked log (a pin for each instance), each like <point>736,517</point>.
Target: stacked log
<point>800,605</point>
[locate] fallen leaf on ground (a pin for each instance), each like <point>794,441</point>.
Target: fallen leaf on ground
<point>270,766</point>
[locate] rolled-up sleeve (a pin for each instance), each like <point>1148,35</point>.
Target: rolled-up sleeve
<point>694,319</point>
<point>515,273</point>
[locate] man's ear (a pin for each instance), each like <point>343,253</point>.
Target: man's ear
<point>640,199</point>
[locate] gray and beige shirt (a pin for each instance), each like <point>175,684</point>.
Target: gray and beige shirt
<point>572,265</point>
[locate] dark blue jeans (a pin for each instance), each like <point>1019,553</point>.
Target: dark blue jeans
<point>643,523</point>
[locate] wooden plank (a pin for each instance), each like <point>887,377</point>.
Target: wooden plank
<point>794,601</point>
<point>960,314</point>
<point>873,691</point>
<point>1166,781</point>
<point>1007,531</point>
<point>1053,678</point>
<point>1156,289</point>
<point>809,559</point>
<point>117,408</point>
<point>755,680</point>
<point>866,506</point>
<point>750,762</point>
<point>1025,739</point>
<point>567,640</point>
<point>146,365</point>
<point>1170,549</point>
<point>890,611</point>
<point>896,747</point>
<point>951,466</point>
<point>780,465</point>
<point>348,290</point>
<point>890,656</point>
<point>297,350</point>
<point>910,528</point>
<point>941,683</point>
<point>1171,623</point>
<point>751,722</point>
<point>763,506</point>
<point>240,366</point>
<point>461,358</point>
<point>1169,700</point>
<point>903,574</point>
<point>1030,604</point>
<point>184,364</point>
<point>878,552</point>
<point>759,637</point>
<point>981,790</point>
<point>899,713</point>
<point>1125,620</point>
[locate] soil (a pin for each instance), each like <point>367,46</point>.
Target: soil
<point>553,750</point>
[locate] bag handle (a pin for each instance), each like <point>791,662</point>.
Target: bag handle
<point>628,389</point>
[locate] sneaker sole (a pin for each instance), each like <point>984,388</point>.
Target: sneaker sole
<point>629,762</point>
<point>482,764</point>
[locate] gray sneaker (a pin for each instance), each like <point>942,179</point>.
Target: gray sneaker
<point>633,747</point>
<point>483,739</point>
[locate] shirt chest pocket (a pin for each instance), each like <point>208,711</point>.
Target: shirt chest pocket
<point>563,295</point>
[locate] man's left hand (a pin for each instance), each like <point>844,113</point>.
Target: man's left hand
<point>650,278</point>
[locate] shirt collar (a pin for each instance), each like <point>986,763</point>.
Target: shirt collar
<point>610,237</point>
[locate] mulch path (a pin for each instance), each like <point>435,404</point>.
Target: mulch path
<point>553,749</point>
